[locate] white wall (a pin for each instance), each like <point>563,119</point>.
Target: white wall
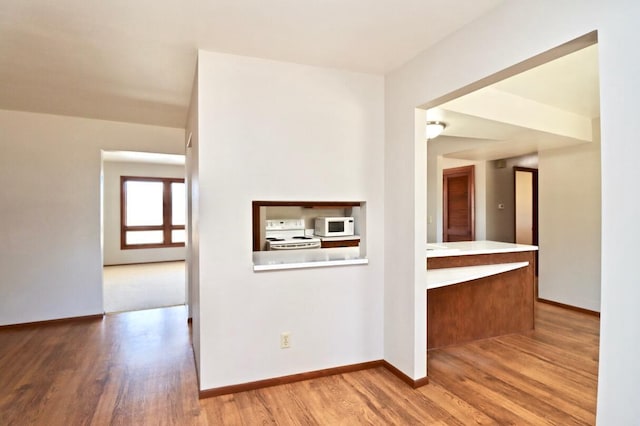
<point>569,224</point>
<point>279,131</point>
<point>113,255</point>
<point>508,35</point>
<point>500,190</point>
<point>50,256</point>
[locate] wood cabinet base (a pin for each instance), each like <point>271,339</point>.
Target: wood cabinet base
<point>339,243</point>
<point>478,309</point>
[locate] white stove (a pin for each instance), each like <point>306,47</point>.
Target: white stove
<point>288,234</point>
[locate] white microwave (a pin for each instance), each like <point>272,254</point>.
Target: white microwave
<point>334,226</point>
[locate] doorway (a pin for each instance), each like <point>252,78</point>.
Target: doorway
<point>570,212</point>
<point>140,271</point>
<point>526,207</point>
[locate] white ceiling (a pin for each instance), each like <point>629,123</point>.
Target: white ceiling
<point>134,60</point>
<point>547,107</point>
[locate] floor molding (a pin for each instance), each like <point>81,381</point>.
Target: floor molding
<point>572,308</point>
<point>243,387</point>
<point>408,380</point>
<point>96,317</point>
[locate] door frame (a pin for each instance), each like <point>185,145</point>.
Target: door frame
<point>534,184</point>
<point>468,171</point>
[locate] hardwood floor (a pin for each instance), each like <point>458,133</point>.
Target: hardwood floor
<point>130,368</point>
<point>137,368</point>
<point>546,376</point>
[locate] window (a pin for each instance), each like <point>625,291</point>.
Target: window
<point>152,212</point>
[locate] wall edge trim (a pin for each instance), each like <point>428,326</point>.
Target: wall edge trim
<point>96,317</point>
<point>259,384</point>
<point>570,307</point>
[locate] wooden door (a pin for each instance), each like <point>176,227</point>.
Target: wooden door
<point>458,204</point>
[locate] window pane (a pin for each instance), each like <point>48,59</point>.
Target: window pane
<point>144,237</point>
<point>144,203</point>
<point>178,203</point>
<point>178,236</point>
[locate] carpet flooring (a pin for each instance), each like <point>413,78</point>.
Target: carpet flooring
<point>143,286</point>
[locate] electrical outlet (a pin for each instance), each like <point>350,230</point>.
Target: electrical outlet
<point>285,340</point>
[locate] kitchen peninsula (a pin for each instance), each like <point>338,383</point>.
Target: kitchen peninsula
<point>478,289</point>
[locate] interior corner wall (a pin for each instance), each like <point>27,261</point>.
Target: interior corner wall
<point>443,150</point>
<point>113,254</point>
<point>193,216</point>
<point>433,165</point>
<point>508,35</point>
<point>50,169</point>
<point>570,224</point>
<point>271,130</point>
<point>501,190</point>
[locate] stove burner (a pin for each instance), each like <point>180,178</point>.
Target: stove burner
<point>274,239</point>
<point>301,237</point>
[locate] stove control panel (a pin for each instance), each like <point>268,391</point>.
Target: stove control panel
<point>284,224</point>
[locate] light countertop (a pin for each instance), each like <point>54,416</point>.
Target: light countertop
<point>307,258</point>
<point>462,248</point>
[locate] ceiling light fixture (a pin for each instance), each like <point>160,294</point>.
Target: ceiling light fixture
<point>434,128</point>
